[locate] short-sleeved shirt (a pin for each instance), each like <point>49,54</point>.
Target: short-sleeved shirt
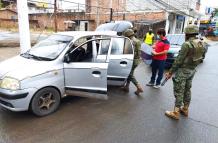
<point>160,46</point>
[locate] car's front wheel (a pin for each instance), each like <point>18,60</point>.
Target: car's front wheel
<point>45,101</point>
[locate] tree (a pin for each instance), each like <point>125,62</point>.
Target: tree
<point>1,4</point>
<point>214,13</point>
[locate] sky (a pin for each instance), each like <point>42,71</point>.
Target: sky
<point>67,5</point>
<point>208,3</point>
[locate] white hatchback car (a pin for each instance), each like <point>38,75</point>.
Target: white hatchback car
<point>66,63</point>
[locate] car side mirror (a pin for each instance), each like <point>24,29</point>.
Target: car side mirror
<point>67,58</point>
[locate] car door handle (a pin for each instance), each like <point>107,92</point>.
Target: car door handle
<point>96,73</point>
<point>123,63</point>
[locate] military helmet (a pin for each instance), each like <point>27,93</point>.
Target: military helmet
<point>129,33</point>
<point>191,29</point>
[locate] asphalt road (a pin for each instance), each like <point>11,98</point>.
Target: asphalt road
<point>124,117</point>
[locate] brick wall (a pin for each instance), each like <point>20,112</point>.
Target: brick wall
<point>7,14</point>
<point>7,23</point>
<point>105,5</point>
<point>8,18</point>
<point>47,20</point>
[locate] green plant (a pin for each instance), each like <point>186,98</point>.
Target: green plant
<point>1,4</point>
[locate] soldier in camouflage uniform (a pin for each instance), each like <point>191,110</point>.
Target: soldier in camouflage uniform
<point>137,45</point>
<point>184,67</point>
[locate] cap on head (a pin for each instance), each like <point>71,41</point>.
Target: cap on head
<point>191,29</point>
<point>129,33</point>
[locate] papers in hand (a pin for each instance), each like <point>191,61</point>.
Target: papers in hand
<point>146,53</point>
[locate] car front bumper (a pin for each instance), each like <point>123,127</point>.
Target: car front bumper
<point>17,100</point>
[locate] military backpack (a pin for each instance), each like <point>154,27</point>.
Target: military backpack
<point>195,53</point>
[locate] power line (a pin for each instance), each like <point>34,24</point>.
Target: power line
<point>85,4</point>
<point>39,2</point>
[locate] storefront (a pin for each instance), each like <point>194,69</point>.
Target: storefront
<point>180,20</point>
<point>175,23</point>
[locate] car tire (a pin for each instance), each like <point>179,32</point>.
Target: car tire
<point>45,101</point>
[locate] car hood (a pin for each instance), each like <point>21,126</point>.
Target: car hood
<point>21,68</point>
<point>174,49</point>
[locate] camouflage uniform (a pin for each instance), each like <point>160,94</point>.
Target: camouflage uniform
<point>136,61</point>
<point>190,55</point>
<point>137,45</point>
<point>184,70</point>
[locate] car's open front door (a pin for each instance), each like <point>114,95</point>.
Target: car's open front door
<point>86,77</point>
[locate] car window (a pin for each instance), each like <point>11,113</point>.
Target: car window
<point>87,51</point>
<point>121,46</point>
<point>127,47</point>
<point>81,50</point>
<point>117,46</point>
<point>81,54</point>
<point>104,46</point>
<point>176,39</point>
<point>51,47</point>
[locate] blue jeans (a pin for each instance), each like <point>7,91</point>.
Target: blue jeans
<point>157,66</point>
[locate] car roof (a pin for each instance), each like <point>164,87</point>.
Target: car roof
<point>87,33</point>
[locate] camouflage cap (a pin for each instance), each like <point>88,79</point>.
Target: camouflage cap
<point>129,33</point>
<point>191,29</point>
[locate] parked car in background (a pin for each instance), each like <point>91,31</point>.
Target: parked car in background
<point>176,41</point>
<point>65,64</point>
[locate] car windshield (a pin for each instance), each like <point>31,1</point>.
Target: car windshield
<point>176,39</point>
<point>50,48</point>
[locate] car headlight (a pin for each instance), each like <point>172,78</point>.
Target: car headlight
<point>10,83</point>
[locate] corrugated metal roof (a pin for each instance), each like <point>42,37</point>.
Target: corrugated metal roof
<point>148,22</point>
<point>140,5</point>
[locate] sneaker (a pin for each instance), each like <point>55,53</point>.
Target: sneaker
<point>157,86</point>
<point>150,84</point>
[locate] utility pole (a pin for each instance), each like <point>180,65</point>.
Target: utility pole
<point>111,14</point>
<point>98,17</point>
<point>111,10</point>
<point>55,14</point>
<point>23,21</point>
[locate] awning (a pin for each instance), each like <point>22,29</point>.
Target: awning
<point>148,22</point>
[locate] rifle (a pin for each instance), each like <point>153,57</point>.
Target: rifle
<point>165,80</point>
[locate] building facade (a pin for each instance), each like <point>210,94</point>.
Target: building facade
<point>173,15</point>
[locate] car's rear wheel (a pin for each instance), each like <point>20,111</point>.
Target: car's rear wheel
<point>45,101</point>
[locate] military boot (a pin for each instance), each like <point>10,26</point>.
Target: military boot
<point>126,87</point>
<point>184,110</point>
<point>139,90</point>
<point>173,114</point>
